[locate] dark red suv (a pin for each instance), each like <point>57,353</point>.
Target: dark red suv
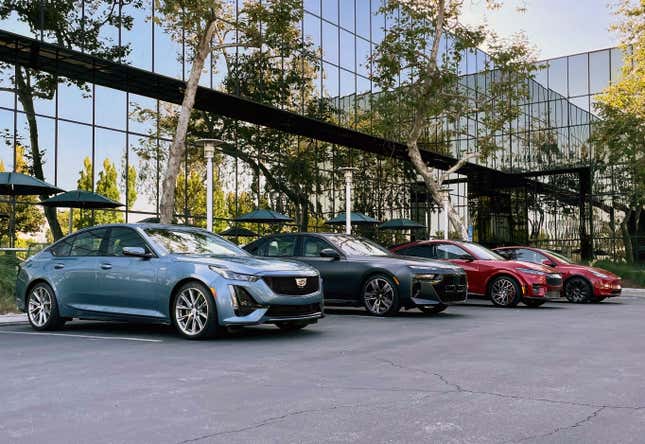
<point>581,283</point>
<point>505,282</point>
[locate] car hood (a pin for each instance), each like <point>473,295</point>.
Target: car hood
<point>252,265</point>
<point>408,260</point>
<point>519,264</point>
<point>587,268</point>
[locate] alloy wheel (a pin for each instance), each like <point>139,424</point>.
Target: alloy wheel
<point>503,292</point>
<point>577,290</point>
<point>191,311</point>
<point>40,306</point>
<point>378,296</point>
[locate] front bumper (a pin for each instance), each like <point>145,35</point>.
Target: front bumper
<point>609,288</point>
<point>446,289</point>
<point>543,287</point>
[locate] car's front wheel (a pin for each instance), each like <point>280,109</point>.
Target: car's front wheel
<point>432,309</point>
<point>380,297</point>
<point>42,308</point>
<point>504,291</point>
<point>578,290</point>
<point>194,313</point>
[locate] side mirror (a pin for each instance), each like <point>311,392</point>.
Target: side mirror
<point>135,252</point>
<point>549,263</point>
<point>329,252</point>
<point>466,257</point>
<point>505,254</point>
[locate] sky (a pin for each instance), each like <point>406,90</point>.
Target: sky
<point>554,27</point>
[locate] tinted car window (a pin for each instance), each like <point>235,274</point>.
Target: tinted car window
<point>449,251</point>
<point>196,242</point>
<point>312,246</point>
<point>123,237</point>
<point>88,243</point>
<point>62,248</point>
<point>522,254</point>
<point>283,246</point>
<point>417,250</point>
<point>353,246</point>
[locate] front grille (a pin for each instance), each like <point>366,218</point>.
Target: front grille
<point>553,280</point>
<point>293,310</point>
<point>289,284</point>
<point>452,288</point>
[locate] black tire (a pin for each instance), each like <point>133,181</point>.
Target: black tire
<point>42,308</point>
<point>578,290</point>
<point>533,303</point>
<point>380,296</point>
<point>196,324</point>
<point>504,291</point>
<point>291,326</point>
<point>432,309</point>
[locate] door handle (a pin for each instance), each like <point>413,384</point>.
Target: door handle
<point>58,266</point>
<point>106,266</point>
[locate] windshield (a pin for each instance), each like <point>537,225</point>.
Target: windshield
<point>352,246</point>
<point>193,242</point>
<point>483,253</point>
<point>563,258</point>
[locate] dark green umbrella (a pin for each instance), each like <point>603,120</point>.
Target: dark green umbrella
<point>17,184</point>
<point>355,219</point>
<point>238,232</point>
<point>263,216</point>
<point>401,224</point>
<point>80,199</point>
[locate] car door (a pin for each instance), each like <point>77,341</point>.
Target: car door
<point>457,256</point>
<point>74,270</point>
<point>334,271</point>
<point>126,284</point>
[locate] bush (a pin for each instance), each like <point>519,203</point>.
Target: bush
<point>8,266</point>
<point>632,274</point>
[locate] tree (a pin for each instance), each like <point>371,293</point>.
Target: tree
<point>431,93</point>
<point>72,24</point>
<point>619,137</point>
<point>206,27</point>
<point>28,217</point>
<point>107,186</point>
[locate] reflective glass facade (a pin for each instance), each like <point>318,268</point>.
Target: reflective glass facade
<point>103,131</point>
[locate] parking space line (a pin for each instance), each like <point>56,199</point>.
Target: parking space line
<point>118,338</point>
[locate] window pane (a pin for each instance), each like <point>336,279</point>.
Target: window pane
<point>281,247</point>
<point>558,76</point>
<point>598,71</point>
<point>330,43</point>
<point>617,62</point>
<point>312,6</point>
<point>578,75</point>
<point>330,10</point>
<point>363,18</point>
<point>347,14</point>
<point>313,246</point>
<point>88,243</point>
<point>123,237</point>
<point>347,55</point>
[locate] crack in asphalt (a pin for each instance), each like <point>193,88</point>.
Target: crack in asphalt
<point>459,389</point>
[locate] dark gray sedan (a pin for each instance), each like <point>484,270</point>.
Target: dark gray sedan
<point>357,271</point>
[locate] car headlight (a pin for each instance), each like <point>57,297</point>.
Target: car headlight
<point>530,271</point>
<point>228,274</point>
<point>599,274</point>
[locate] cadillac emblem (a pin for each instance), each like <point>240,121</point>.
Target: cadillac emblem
<point>301,282</point>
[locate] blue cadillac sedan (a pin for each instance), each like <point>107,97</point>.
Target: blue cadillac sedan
<point>184,276</point>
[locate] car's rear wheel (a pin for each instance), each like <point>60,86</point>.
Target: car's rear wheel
<point>194,313</point>
<point>504,291</point>
<point>432,309</point>
<point>380,297</point>
<point>42,308</point>
<point>578,290</point>
<point>533,303</point>
<point>291,326</point>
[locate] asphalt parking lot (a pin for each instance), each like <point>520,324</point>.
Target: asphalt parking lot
<point>474,374</point>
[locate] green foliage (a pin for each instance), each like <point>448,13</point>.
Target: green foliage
<point>8,266</point>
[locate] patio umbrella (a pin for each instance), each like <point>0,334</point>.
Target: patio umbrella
<point>263,216</point>
<point>355,219</point>
<point>17,184</point>
<point>400,224</point>
<point>80,199</point>
<point>238,232</point>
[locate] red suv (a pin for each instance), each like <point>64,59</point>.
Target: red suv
<point>505,282</point>
<point>581,283</point>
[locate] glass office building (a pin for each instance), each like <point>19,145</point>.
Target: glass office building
<point>108,136</point>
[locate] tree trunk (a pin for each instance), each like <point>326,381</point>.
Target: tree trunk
<point>178,147</point>
<point>627,238</point>
<point>25,95</point>
<point>434,188</point>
